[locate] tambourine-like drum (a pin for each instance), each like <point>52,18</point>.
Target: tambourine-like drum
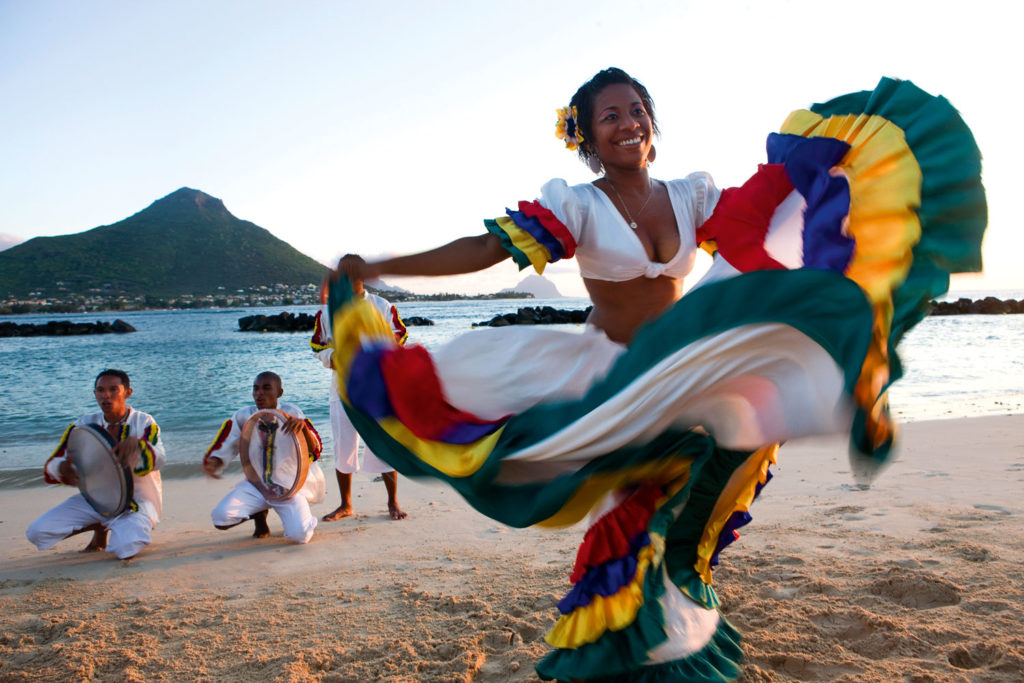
<point>274,461</point>
<point>102,479</point>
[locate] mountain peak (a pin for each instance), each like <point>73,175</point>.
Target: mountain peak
<point>188,242</point>
<point>186,198</point>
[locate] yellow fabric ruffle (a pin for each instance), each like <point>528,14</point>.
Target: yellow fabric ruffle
<point>614,612</point>
<point>455,460</point>
<point>596,486</point>
<point>737,495</point>
<point>353,323</point>
<point>885,191</point>
<point>523,241</point>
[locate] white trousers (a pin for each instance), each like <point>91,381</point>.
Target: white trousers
<point>129,531</point>
<point>346,445</point>
<point>245,500</point>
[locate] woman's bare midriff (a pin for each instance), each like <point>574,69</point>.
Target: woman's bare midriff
<point>620,308</point>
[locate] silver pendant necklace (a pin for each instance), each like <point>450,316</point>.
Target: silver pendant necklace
<point>650,193</point>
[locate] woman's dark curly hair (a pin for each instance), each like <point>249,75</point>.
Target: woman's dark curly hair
<point>584,98</point>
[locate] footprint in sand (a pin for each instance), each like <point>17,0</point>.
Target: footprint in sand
<point>920,590</point>
<point>986,606</point>
<point>846,512</point>
<point>978,656</point>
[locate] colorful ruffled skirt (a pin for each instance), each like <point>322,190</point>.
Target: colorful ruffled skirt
<point>825,258</point>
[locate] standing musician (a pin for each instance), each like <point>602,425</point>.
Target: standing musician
<point>346,438</point>
<point>245,501</point>
<point>138,447</point>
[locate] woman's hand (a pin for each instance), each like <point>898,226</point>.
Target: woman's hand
<point>356,268</point>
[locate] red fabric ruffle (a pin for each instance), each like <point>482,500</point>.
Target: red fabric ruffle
<point>610,537</point>
<point>552,225</point>
<point>415,393</point>
<point>740,221</point>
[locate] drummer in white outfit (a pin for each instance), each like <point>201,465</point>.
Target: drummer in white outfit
<point>139,447</point>
<point>245,501</point>
<point>346,439</point>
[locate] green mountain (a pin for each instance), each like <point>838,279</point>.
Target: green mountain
<point>185,243</point>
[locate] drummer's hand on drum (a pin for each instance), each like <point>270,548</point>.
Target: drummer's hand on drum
<point>127,452</point>
<point>294,424</point>
<point>68,474</point>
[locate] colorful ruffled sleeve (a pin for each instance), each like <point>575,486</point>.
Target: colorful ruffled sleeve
<point>539,232</point>
<point>51,470</point>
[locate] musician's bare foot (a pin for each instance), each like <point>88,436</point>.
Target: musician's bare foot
<point>98,542</point>
<point>340,513</point>
<point>396,512</point>
<point>260,521</point>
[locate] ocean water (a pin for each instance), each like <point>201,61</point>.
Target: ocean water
<point>192,369</point>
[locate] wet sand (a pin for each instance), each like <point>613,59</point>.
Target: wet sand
<point>918,578</point>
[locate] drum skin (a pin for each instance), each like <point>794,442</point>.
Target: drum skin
<point>102,480</point>
<point>273,461</point>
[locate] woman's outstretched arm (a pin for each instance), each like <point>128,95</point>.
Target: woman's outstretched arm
<point>464,255</point>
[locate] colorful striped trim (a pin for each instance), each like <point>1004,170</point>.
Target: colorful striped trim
<point>809,164</point>
<point>614,533</point>
<point>533,236</point>
<point>732,508</point>
<point>267,439</point>
<point>320,339</point>
<point>740,221</point>
<point>401,332</point>
<point>612,613</point>
<point>218,441</point>
<point>885,184</point>
<point>525,250</point>
<point>605,579</point>
<point>59,452</point>
<point>378,385</point>
<point>718,661</point>
<point>739,225</point>
<point>150,437</point>
<point>552,225</point>
<point>314,453</point>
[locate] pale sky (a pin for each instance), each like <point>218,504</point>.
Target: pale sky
<point>391,127</point>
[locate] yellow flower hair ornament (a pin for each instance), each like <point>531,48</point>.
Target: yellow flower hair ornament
<point>566,128</point>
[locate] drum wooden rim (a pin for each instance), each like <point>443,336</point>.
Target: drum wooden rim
<point>100,442</point>
<point>301,454</point>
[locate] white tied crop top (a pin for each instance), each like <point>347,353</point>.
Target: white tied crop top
<point>607,248</point>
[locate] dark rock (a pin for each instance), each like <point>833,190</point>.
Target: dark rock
<point>417,321</point>
<point>990,305</point>
<point>537,315</point>
<point>282,322</point>
<point>63,328</point>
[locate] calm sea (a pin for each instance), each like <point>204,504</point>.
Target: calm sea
<point>193,369</point>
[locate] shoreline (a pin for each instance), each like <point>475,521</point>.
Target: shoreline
<point>32,477</point>
<point>917,577</point>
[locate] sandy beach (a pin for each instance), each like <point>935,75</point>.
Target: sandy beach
<point>918,578</point>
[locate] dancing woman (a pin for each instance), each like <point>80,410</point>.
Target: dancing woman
<point>661,420</point>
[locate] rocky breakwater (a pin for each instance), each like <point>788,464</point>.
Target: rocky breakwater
<point>282,322</point>
<point>990,305</point>
<point>303,322</point>
<point>63,328</point>
<point>537,315</point>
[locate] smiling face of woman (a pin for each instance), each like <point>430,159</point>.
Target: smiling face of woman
<point>621,127</point>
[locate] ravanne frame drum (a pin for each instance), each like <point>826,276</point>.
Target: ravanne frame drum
<point>274,461</point>
<point>102,479</point>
